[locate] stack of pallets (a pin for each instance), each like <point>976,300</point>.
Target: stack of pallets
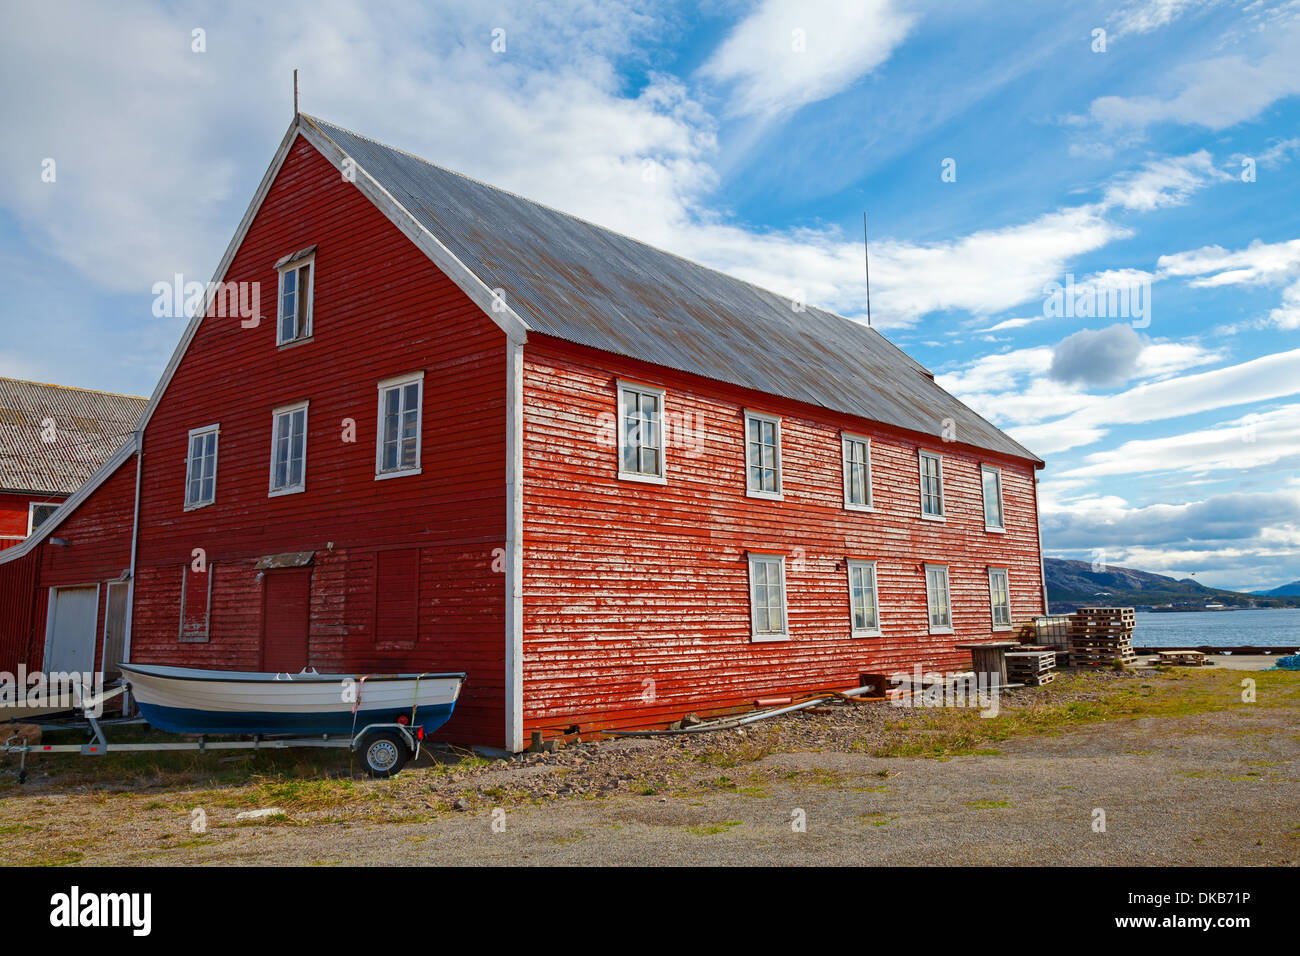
<point>1031,666</point>
<point>1100,636</point>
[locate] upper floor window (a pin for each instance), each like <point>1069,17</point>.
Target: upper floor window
<point>1000,598</point>
<point>397,450</point>
<point>297,272</point>
<point>938,599</point>
<point>931,485</point>
<point>641,433</point>
<point>768,616</point>
<point>992,480</point>
<point>38,512</point>
<point>863,599</point>
<point>201,467</point>
<point>289,449</point>
<point>857,472</point>
<point>762,455</point>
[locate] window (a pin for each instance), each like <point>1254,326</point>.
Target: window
<point>38,513</point>
<point>767,597</point>
<point>992,479</point>
<point>857,472</point>
<point>938,598</point>
<point>397,447</point>
<point>296,275</point>
<point>1000,598</point>
<point>201,469</point>
<point>863,601</point>
<point>762,455</point>
<point>289,449</point>
<point>931,486</point>
<point>641,434</point>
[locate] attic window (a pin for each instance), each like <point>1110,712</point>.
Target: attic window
<point>297,274</point>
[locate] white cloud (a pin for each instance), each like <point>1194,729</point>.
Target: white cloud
<point>1252,441</point>
<point>1149,15</point>
<point>1261,379</point>
<point>1167,181</point>
<point>789,53</point>
<point>1218,92</point>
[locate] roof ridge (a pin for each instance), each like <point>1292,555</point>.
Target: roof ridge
<point>72,388</point>
<point>595,225</point>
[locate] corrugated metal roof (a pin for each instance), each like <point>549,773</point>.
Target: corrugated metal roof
<point>577,281</point>
<point>88,427</point>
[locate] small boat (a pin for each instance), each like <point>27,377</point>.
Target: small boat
<point>184,700</point>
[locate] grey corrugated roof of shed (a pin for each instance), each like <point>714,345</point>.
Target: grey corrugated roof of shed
<point>580,282</point>
<point>89,427</point>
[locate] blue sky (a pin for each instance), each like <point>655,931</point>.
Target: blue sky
<point>751,136</point>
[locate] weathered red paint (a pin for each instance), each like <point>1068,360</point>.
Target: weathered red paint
<point>380,309</point>
<point>636,604</point>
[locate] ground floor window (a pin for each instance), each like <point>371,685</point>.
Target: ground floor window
<point>938,598</point>
<point>767,597</point>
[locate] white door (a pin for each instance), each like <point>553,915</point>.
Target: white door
<point>70,634</point>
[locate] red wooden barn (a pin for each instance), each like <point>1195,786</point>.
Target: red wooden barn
<point>471,432</point>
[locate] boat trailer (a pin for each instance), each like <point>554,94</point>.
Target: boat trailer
<point>384,748</point>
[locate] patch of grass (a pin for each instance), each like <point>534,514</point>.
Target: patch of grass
<point>711,829</point>
<point>1075,700</point>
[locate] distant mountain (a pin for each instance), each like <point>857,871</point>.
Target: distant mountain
<point>1286,590</point>
<point>1072,584</point>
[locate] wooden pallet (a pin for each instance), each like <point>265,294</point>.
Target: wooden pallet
<point>1033,668</point>
<point>1182,658</point>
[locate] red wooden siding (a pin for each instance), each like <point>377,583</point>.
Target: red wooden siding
<point>98,536</point>
<point>381,309</point>
<point>628,583</point>
<point>13,515</point>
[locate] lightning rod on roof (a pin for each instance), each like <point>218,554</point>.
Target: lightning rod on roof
<point>295,93</point>
<point>866,261</point>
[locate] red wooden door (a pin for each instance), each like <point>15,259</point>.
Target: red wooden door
<point>286,604</point>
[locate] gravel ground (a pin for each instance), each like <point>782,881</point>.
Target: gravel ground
<point>1200,788</point>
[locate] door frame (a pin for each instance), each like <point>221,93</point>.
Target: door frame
<point>50,620</point>
<point>108,597</point>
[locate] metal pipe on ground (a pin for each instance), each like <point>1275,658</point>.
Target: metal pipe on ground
<point>732,723</point>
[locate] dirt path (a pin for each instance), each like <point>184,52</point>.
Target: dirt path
<point>1217,788</point>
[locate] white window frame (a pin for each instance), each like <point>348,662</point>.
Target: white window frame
<point>276,414</point>
<point>993,605</point>
<point>646,477</point>
<point>399,382</point>
<point>304,334</point>
<point>846,438</point>
<point>759,557</point>
<point>750,490</point>
<point>215,431</point>
<point>947,589</point>
<point>858,565</point>
<point>922,455</point>
<point>31,513</point>
<point>1002,510</point>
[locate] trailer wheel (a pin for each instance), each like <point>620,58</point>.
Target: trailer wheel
<point>384,752</point>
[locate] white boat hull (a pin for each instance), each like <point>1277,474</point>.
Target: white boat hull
<point>189,701</point>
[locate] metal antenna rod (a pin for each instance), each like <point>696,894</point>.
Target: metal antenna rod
<point>295,92</point>
<point>866,258</point>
